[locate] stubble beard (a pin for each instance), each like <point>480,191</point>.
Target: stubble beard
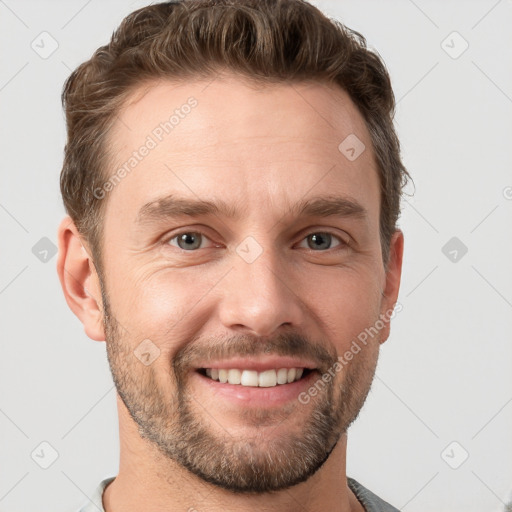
<point>172,419</point>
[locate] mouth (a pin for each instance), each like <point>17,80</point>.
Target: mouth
<point>260,382</point>
<point>268,378</point>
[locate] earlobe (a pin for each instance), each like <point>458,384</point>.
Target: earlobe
<point>392,281</point>
<point>79,280</point>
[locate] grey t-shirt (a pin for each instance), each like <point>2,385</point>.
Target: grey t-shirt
<point>370,501</point>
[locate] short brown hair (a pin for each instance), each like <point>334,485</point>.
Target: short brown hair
<point>263,40</point>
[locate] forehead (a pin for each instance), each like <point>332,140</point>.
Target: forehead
<point>261,144</point>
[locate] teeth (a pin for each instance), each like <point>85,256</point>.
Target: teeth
<point>282,376</point>
<point>234,376</point>
<point>249,378</point>
<point>265,379</point>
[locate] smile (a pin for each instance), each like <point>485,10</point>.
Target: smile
<point>251,378</point>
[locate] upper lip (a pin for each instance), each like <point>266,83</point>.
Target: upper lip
<point>260,364</point>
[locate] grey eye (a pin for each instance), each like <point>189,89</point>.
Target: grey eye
<point>187,241</point>
<point>320,241</point>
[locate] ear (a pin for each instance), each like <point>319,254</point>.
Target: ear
<point>392,282</point>
<point>79,280</point>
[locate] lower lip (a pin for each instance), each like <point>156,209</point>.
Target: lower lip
<point>252,396</point>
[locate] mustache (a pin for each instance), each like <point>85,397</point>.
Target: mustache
<point>284,344</point>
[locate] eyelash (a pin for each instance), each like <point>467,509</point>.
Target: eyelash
<point>343,245</point>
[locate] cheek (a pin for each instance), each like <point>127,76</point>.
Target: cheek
<point>349,303</point>
<point>164,305</point>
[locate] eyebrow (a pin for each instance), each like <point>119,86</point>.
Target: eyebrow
<point>172,206</point>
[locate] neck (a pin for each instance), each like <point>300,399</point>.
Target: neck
<point>149,481</point>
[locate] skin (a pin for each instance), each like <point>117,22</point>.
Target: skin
<point>260,149</point>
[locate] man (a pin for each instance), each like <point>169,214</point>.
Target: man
<point>233,178</point>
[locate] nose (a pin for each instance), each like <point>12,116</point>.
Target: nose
<point>261,296</point>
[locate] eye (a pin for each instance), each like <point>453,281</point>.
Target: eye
<point>187,240</point>
<point>317,241</point>
<point>323,241</point>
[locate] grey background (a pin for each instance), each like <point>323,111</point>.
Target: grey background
<point>444,375</point>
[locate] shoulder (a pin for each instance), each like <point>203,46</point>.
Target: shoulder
<point>370,501</point>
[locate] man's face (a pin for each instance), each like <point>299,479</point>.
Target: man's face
<point>261,284</point>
